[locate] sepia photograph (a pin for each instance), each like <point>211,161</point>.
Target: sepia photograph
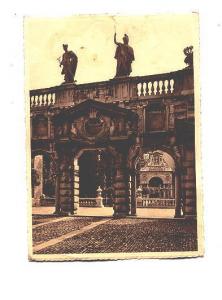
<point>113,137</point>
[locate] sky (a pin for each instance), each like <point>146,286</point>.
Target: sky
<point>158,43</point>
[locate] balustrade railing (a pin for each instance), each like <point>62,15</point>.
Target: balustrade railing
<point>87,202</point>
<point>42,98</point>
<point>156,203</point>
<point>166,191</point>
<point>153,86</point>
<point>117,89</point>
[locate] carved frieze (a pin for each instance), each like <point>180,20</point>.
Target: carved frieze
<point>94,124</point>
<point>154,161</point>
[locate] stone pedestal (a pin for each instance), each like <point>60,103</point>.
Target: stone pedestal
<point>139,198</point>
<point>99,198</point>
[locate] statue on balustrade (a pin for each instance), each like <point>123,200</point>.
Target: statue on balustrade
<point>124,56</point>
<point>69,62</point>
<point>188,51</point>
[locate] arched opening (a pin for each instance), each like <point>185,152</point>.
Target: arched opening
<point>155,185</point>
<point>37,179</point>
<point>155,182</point>
<point>87,170</point>
<point>94,174</point>
<point>43,179</point>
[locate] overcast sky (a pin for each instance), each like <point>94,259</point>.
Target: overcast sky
<point>158,43</point>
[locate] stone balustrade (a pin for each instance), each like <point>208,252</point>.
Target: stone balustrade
<point>155,87</point>
<point>42,97</point>
<point>87,202</point>
<point>156,203</point>
<point>114,90</point>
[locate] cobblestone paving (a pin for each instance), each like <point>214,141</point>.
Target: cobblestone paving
<point>49,231</point>
<point>38,219</point>
<point>132,235</point>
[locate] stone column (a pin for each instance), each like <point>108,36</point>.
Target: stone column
<point>129,192</point>
<point>50,126</point>
<point>133,194</point>
<point>64,185</point>
<point>121,199</point>
<point>57,184</point>
<point>76,185</point>
<point>32,179</point>
<point>178,193</point>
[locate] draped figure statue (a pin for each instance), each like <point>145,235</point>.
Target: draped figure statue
<point>69,64</point>
<point>124,56</point>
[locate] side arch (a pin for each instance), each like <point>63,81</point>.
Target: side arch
<point>174,156</point>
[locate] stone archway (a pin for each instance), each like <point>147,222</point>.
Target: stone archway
<point>168,191</point>
<point>92,126</point>
<point>118,187</point>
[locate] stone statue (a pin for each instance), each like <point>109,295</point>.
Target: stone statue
<point>69,63</point>
<point>124,56</point>
<point>188,51</point>
<point>112,128</point>
<point>73,130</point>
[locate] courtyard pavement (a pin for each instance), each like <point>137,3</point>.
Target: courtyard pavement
<point>61,235</point>
<point>108,212</point>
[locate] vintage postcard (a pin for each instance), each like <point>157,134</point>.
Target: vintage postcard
<point>113,137</point>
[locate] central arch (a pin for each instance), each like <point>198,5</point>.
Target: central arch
<point>93,182</point>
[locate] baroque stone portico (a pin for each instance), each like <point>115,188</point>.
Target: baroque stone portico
<point>112,127</point>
